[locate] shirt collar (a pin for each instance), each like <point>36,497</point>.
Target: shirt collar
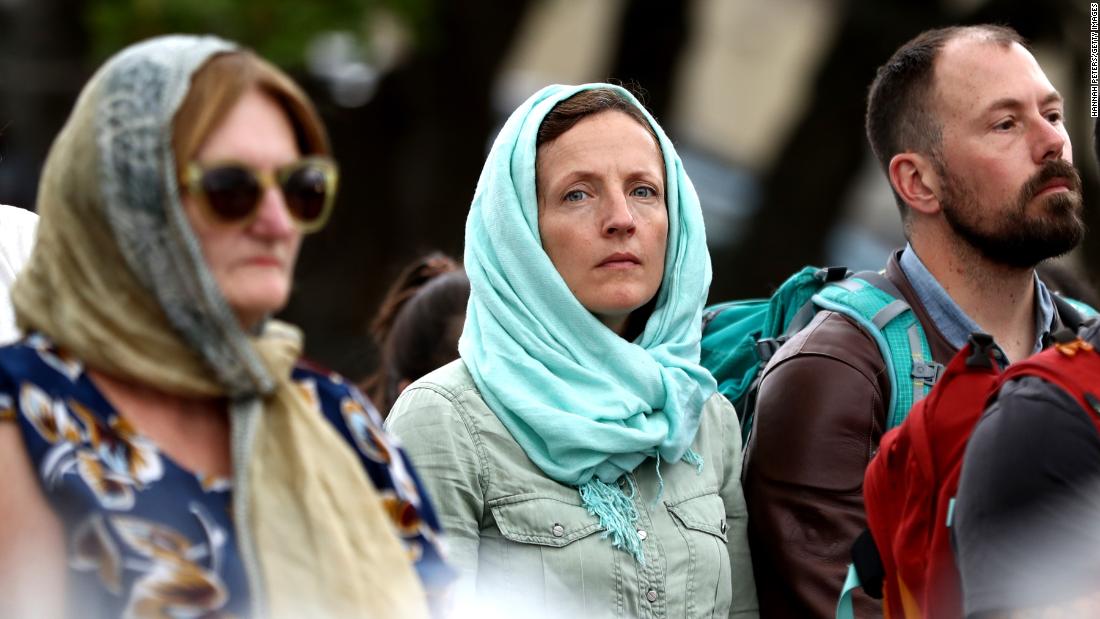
<point>949,318</point>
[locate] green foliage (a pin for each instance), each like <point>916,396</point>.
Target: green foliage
<point>277,29</point>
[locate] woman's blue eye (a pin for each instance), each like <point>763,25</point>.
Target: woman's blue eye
<point>644,192</point>
<point>574,196</point>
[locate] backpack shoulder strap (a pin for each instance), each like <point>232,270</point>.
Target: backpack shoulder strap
<point>880,281</point>
<point>875,304</point>
<point>868,565</point>
<point>1072,364</point>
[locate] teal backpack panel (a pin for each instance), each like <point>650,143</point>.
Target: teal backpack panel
<point>1085,310</point>
<point>732,331</point>
<point>739,337</point>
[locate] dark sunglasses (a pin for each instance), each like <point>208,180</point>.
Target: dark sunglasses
<point>231,192</point>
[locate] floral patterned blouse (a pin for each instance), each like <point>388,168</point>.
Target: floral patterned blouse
<point>147,538</point>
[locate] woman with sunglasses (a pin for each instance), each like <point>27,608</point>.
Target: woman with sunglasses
<point>581,459</point>
<point>165,455</point>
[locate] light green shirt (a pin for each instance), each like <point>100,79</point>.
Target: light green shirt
<point>526,547</point>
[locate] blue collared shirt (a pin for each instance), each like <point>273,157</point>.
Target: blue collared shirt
<point>949,318</point>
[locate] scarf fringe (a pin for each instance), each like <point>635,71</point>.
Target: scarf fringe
<point>615,507</point>
<point>692,457</point>
<point>617,514</point>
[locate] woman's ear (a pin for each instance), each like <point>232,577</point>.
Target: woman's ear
<point>915,179</point>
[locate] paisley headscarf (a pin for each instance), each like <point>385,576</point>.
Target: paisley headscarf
<point>117,278</point>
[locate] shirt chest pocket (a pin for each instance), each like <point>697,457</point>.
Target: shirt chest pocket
<point>547,549</point>
<point>701,521</point>
<point>704,514</point>
<point>542,521</point>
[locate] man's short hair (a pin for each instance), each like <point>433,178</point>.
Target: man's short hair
<point>900,116</point>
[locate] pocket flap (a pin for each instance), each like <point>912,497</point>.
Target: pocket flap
<point>543,521</point>
<point>706,513</point>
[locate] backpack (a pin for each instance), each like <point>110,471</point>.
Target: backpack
<point>739,337</point>
<point>1074,366</point>
<point>905,557</point>
<point>909,489</point>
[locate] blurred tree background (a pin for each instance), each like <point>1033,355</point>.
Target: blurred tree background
<point>765,100</point>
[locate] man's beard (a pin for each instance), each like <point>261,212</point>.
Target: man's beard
<point>1011,236</point>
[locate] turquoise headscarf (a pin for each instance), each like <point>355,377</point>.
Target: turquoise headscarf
<point>585,405</point>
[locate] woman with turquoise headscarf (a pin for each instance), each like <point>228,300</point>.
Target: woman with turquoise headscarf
<point>580,457</point>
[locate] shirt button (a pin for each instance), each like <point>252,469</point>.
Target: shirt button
<point>558,530</point>
<point>724,527</point>
<point>651,595</point>
<point>642,534</point>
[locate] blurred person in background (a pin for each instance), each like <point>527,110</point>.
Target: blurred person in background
<point>166,455</point>
<point>582,460</point>
<point>417,326</point>
<point>970,134</point>
<point>17,228</point>
<point>1027,518</point>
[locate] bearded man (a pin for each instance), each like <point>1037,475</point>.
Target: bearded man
<point>970,134</point>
